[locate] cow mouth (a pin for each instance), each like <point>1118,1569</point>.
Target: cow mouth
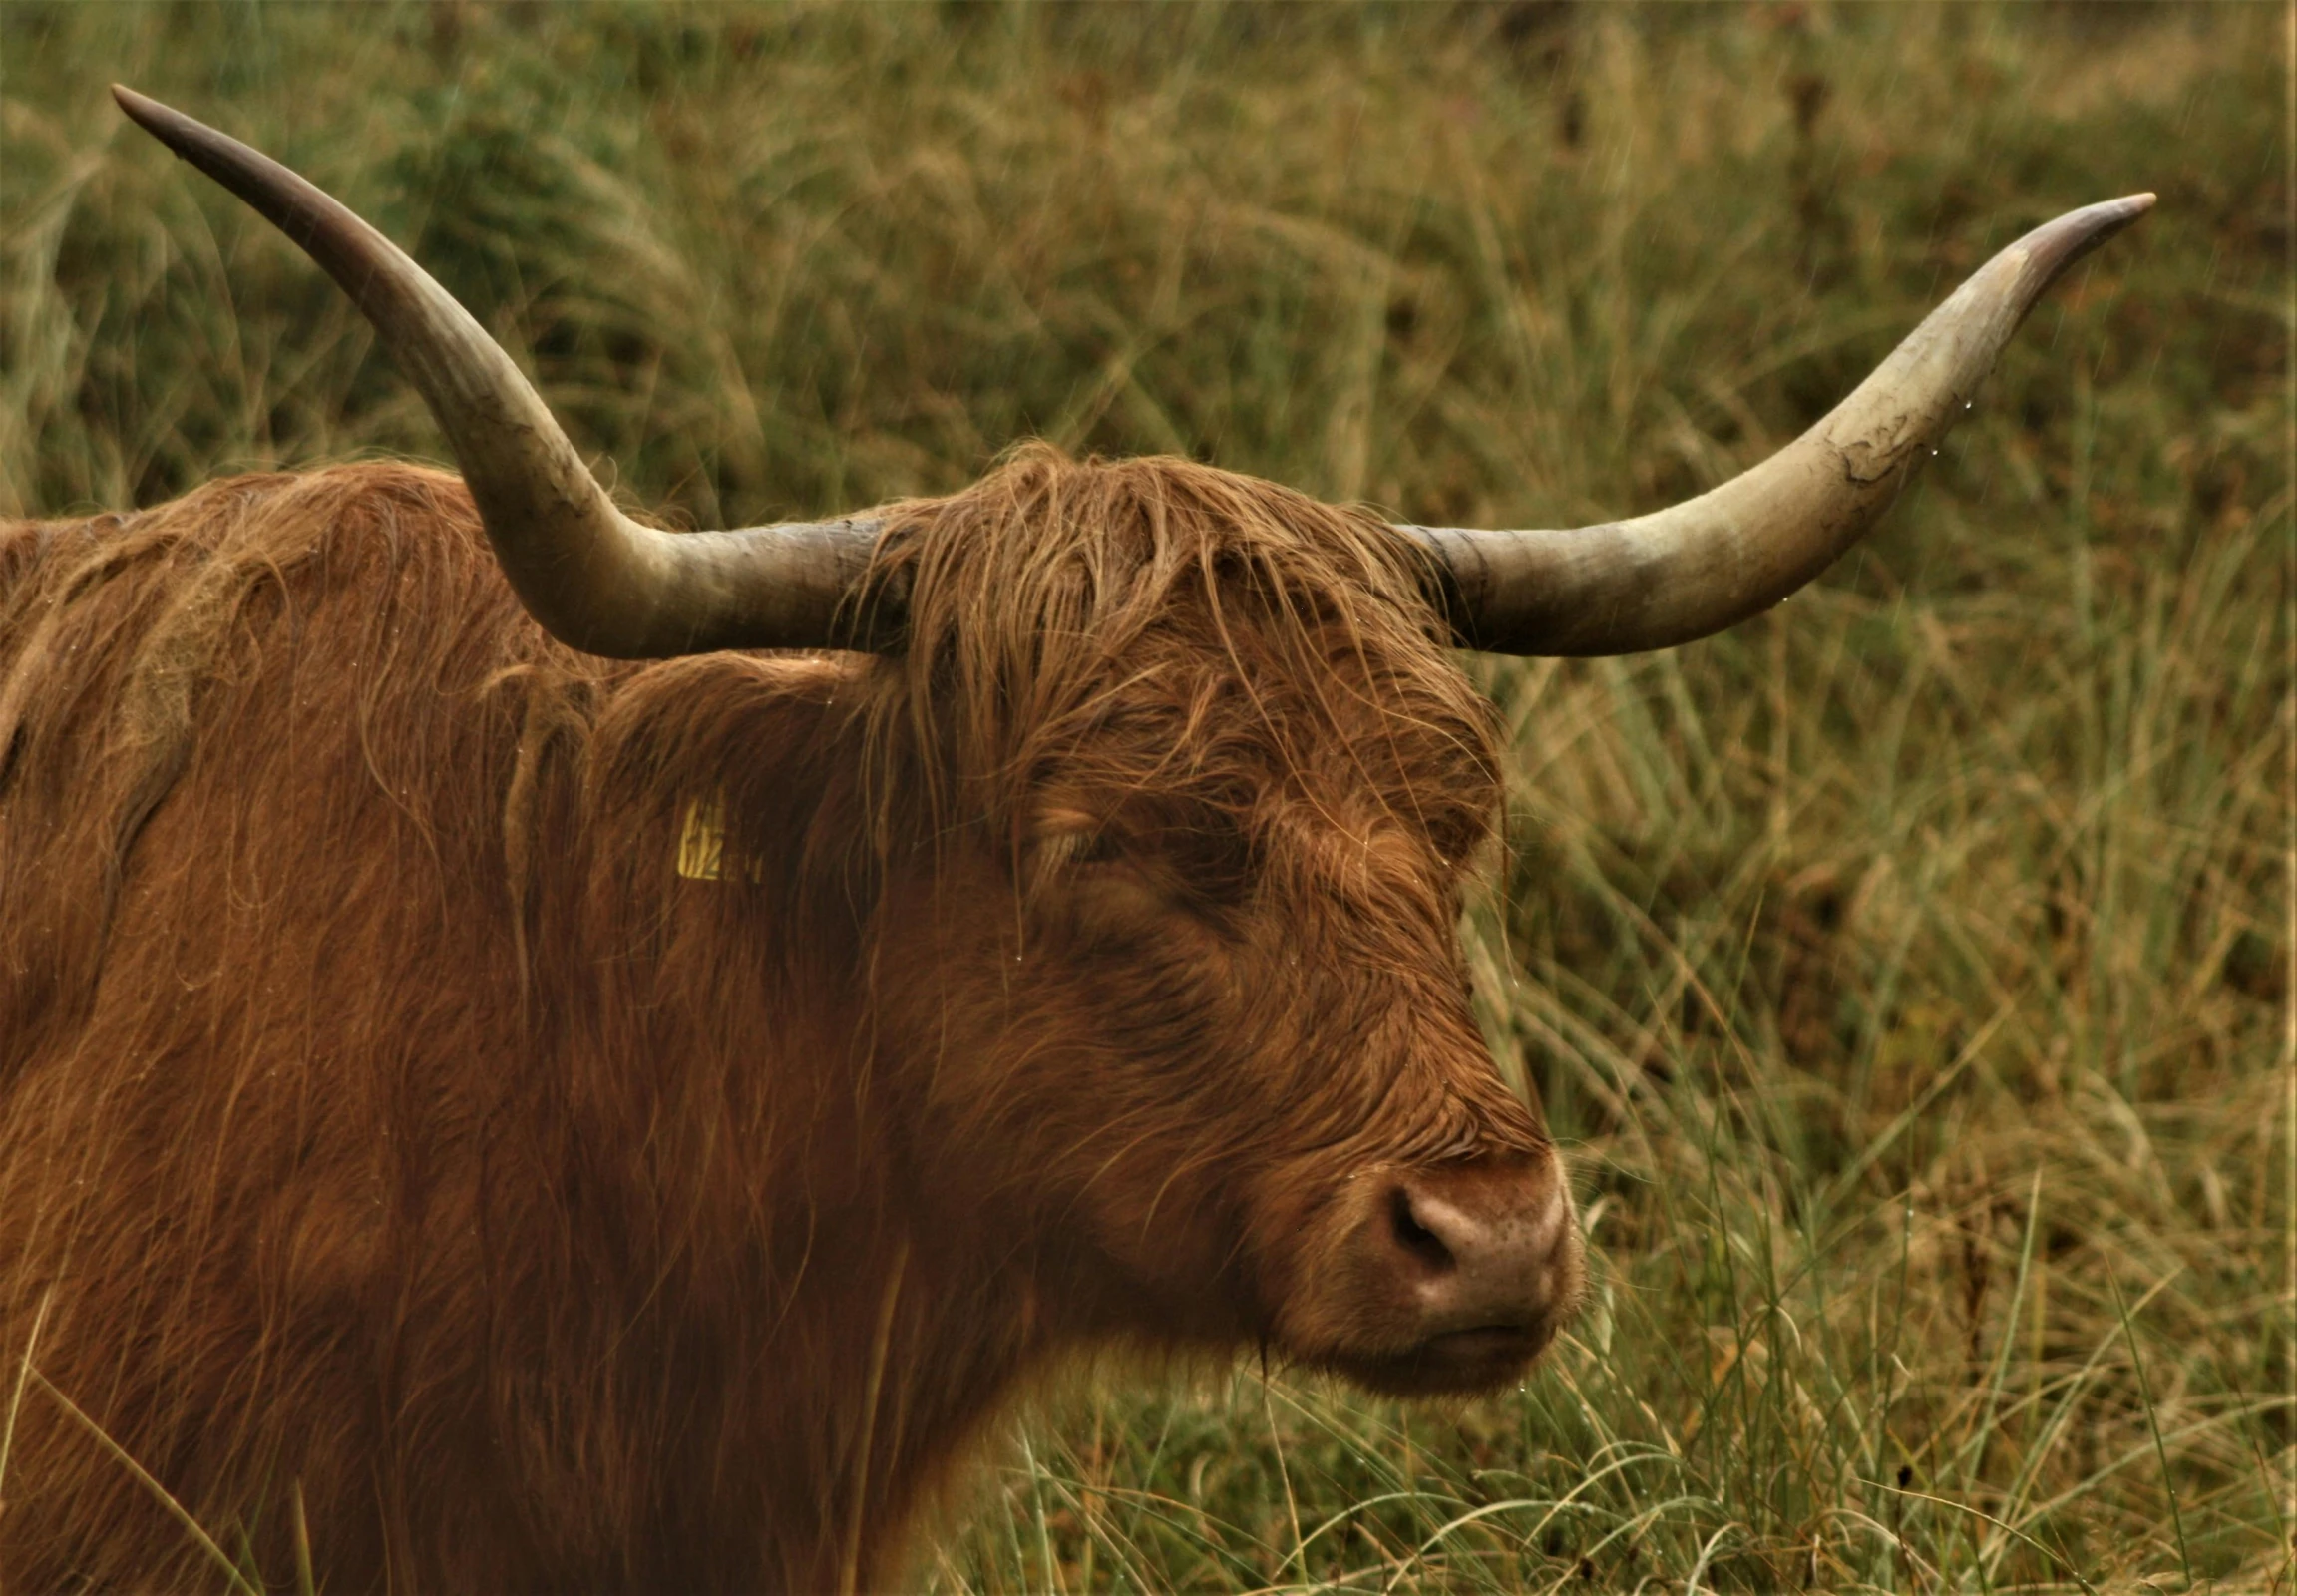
<point>1457,1363</point>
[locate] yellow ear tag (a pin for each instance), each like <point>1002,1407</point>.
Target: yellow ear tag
<point>702,839</point>
<point>702,852</point>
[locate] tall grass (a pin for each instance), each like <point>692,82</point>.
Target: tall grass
<point>1907,970</point>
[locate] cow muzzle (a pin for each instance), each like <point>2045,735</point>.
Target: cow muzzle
<point>1451,1277</point>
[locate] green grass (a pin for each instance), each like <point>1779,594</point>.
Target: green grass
<point>1908,972</point>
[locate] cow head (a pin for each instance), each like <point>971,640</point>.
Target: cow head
<point>1202,790</point>
<point>1196,794</point>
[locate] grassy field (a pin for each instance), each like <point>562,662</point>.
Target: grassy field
<point>1908,970</point>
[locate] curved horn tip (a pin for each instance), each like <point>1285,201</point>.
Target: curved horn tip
<point>2056,245</point>
<point>142,108</point>
<point>180,133</point>
<point>2110,217</point>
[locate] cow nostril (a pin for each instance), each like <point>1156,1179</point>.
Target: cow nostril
<point>1414,1237</point>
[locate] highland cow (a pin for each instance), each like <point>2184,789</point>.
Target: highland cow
<point>505,1086</point>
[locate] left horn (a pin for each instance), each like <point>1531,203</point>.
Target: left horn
<point>590,576</point>
<point>1711,562</point>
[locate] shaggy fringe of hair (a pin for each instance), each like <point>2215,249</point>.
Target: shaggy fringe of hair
<point>1035,590</point>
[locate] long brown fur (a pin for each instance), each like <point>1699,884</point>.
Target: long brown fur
<point>386,1125</point>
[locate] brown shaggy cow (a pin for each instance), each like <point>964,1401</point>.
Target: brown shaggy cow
<point>524,1120</point>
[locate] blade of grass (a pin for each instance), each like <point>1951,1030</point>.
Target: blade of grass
<point>2154,1424</point>
<point>174,1509</point>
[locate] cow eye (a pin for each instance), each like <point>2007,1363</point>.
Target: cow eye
<point>1076,848</point>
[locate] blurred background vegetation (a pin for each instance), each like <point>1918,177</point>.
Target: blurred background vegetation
<point>1907,970</point>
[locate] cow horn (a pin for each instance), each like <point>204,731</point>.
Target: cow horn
<point>589,575</point>
<point>1711,562</point>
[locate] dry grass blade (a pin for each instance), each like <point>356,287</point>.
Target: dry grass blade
<point>175,1509</point>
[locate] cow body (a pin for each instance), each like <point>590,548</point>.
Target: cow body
<point>549,1124</point>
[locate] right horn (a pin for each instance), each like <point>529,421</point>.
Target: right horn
<point>1711,562</point>
<point>590,576</point>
